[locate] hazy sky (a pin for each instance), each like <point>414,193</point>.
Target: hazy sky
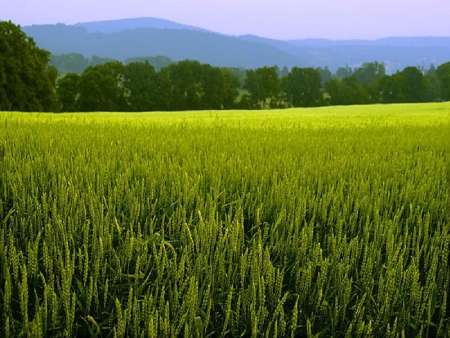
<point>339,19</point>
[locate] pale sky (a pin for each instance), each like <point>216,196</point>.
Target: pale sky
<point>284,19</point>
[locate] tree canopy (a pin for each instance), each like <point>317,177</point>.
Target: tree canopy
<point>443,74</point>
<point>264,87</point>
<point>303,87</point>
<point>27,82</point>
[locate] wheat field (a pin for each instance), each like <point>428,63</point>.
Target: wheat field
<point>326,222</point>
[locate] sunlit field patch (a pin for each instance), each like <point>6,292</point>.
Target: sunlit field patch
<point>322,222</point>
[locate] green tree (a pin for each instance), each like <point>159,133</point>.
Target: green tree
<point>102,88</point>
<point>369,76</point>
<point>199,86</point>
<point>213,87</point>
<point>264,87</point>
<point>303,87</point>
<point>68,89</point>
<point>164,91</point>
<point>345,92</point>
<point>389,89</point>
<point>186,88</point>
<point>369,73</point>
<point>141,83</point>
<point>409,85</point>
<point>230,91</point>
<point>27,82</point>
<point>221,88</point>
<point>344,72</point>
<point>325,75</point>
<point>443,74</point>
<point>413,85</point>
<point>433,85</point>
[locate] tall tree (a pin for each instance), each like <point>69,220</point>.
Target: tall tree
<point>369,73</point>
<point>303,87</point>
<point>443,73</point>
<point>344,72</point>
<point>264,87</point>
<point>68,89</point>
<point>345,92</point>
<point>230,90</point>
<point>409,85</point>
<point>141,83</point>
<point>325,75</point>
<point>413,85</point>
<point>199,86</point>
<point>213,85</point>
<point>164,91</point>
<point>389,89</point>
<point>102,88</point>
<point>369,76</point>
<point>27,82</point>
<point>433,85</point>
<point>186,87</point>
<point>221,87</point>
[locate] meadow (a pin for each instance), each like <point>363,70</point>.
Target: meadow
<point>325,222</point>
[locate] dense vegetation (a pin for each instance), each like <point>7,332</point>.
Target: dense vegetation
<point>27,83</point>
<point>77,63</point>
<point>325,222</point>
<point>190,85</point>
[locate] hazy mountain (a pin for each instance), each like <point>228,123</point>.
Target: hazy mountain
<point>177,44</point>
<point>114,26</point>
<point>130,38</point>
<point>396,52</point>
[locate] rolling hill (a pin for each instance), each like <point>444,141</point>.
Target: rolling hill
<point>114,26</point>
<point>130,38</point>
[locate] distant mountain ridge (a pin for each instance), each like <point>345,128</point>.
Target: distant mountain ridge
<point>130,38</point>
<point>430,41</point>
<point>177,44</point>
<point>115,26</point>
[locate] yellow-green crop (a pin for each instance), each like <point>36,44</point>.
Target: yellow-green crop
<point>306,222</point>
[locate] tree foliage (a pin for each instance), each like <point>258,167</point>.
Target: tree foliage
<point>137,86</point>
<point>141,83</point>
<point>27,82</point>
<point>303,87</point>
<point>102,88</point>
<point>264,87</point>
<point>408,85</point>
<point>68,90</point>
<point>443,74</point>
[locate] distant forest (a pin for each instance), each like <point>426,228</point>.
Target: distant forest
<point>77,63</point>
<point>29,81</point>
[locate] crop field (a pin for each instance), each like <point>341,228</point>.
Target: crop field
<point>326,222</point>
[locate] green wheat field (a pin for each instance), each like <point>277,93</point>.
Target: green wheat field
<point>326,222</point>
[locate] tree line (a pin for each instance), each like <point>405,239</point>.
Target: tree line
<point>29,83</point>
<point>77,63</point>
<point>189,85</point>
